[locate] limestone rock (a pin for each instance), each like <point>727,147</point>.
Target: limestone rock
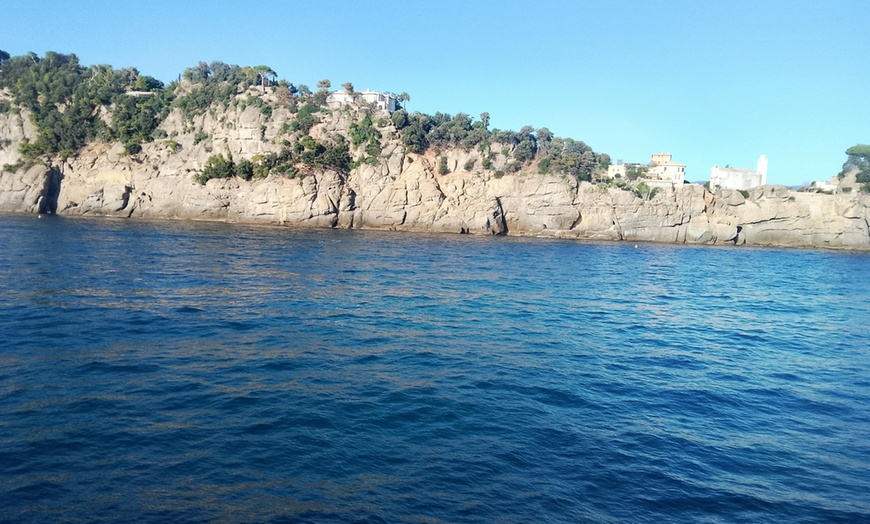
<point>404,191</point>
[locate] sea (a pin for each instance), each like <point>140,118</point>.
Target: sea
<point>160,371</point>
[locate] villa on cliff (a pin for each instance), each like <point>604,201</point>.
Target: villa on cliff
<point>735,178</point>
<point>663,168</point>
<point>383,101</point>
<point>661,171</point>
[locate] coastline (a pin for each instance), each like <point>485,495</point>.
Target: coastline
<point>404,191</point>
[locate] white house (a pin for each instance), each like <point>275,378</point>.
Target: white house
<point>337,99</point>
<point>383,101</point>
<point>734,178</point>
<point>823,185</point>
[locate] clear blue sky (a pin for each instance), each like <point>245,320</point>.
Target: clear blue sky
<point>712,82</point>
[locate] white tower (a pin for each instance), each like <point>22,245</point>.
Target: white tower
<point>762,169</point>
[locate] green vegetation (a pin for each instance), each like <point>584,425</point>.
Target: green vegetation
<point>634,171</point>
<point>66,100</point>
<point>305,156</point>
<point>364,132</point>
<point>135,119</point>
<point>643,191</point>
<point>72,105</point>
<point>556,155</point>
<point>305,118</point>
<point>442,166</point>
<point>859,158</point>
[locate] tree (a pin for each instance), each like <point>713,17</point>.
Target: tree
<point>282,92</point>
<point>265,73</point>
<point>403,98</point>
<point>197,73</point>
<point>347,87</point>
<point>400,118</point>
<point>859,158</point>
<point>484,118</point>
<point>4,56</point>
<point>634,171</point>
<point>324,84</point>
<point>250,74</point>
<point>147,83</point>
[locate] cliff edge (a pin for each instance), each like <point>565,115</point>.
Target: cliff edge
<point>477,190</point>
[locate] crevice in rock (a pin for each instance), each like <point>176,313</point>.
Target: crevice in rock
<point>577,220</point>
<point>736,238</point>
<point>50,191</point>
<point>619,233</point>
<point>125,198</point>
<point>500,227</point>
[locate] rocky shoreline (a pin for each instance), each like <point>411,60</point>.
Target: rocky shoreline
<point>406,192</point>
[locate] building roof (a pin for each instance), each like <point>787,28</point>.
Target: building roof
<point>736,170</point>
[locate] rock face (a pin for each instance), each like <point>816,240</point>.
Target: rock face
<point>403,191</point>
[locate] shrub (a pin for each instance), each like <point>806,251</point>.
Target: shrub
<point>13,168</point>
<point>400,119</point>
<point>216,167</point>
<point>244,169</point>
<point>642,190</point>
<point>442,166</point>
<point>305,118</point>
<point>363,131</point>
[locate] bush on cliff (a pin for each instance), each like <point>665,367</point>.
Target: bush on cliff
<point>216,167</point>
<point>305,156</point>
<point>135,118</point>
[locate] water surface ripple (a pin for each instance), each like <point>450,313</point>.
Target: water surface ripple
<point>192,372</point>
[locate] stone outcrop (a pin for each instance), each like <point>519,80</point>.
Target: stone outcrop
<point>403,191</point>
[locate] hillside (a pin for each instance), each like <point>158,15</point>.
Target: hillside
<point>231,143</point>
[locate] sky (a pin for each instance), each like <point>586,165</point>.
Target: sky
<point>713,82</point>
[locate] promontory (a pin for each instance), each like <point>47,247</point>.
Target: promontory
<point>232,143</point>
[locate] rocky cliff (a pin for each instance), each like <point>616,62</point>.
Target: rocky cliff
<point>400,190</point>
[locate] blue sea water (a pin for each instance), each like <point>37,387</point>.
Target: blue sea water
<point>191,372</point>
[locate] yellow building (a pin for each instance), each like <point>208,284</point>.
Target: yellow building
<point>665,169</point>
